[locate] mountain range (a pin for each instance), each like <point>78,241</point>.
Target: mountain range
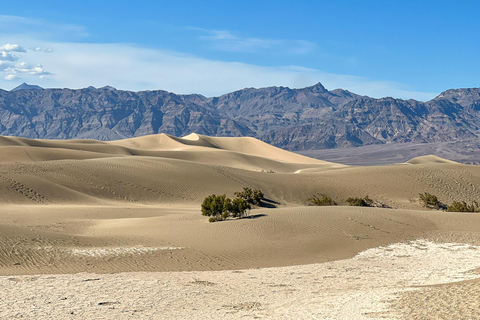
<point>293,119</point>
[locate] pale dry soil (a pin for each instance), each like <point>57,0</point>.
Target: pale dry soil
<point>398,281</point>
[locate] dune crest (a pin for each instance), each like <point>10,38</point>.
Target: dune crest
<point>191,136</point>
<point>430,159</point>
<point>160,141</point>
<point>253,146</point>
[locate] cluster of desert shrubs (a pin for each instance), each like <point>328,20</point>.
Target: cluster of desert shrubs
<point>219,207</point>
<point>462,206</point>
<point>431,201</point>
<point>428,200</point>
<point>324,200</point>
<point>360,202</point>
<point>321,200</point>
<point>252,196</point>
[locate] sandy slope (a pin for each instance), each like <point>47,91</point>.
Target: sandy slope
<point>134,205</point>
<point>64,239</point>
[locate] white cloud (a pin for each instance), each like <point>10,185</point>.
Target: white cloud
<point>21,67</point>
<point>43,49</point>
<point>36,70</point>
<point>12,48</point>
<point>11,77</point>
<point>7,56</point>
<point>227,41</point>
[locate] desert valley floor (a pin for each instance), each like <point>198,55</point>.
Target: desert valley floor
<point>113,230</point>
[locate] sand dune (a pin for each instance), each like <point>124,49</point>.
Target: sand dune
<point>161,169</point>
<point>429,159</point>
<point>251,146</point>
<point>71,206</point>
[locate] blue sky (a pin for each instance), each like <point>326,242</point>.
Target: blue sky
<point>406,49</point>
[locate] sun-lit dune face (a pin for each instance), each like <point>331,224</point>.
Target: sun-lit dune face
<point>151,142</point>
<point>192,136</point>
<point>429,160</point>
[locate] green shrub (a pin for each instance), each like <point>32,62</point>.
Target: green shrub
<point>254,196</point>
<point>220,207</point>
<point>238,207</point>
<point>431,201</point>
<point>320,200</point>
<point>462,206</point>
<point>215,207</point>
<point>360,202</point>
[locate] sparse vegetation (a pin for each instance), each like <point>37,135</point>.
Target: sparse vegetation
<point>254,196</point>
<point>321,200</point>
<point>462,206</point>
<point>219,207</point>
<point>215,207</point>
<point>431,201</point>
<point>268,171</point>
<point>238,207</point>
<point>360,202</point>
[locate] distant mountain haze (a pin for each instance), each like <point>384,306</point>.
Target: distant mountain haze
<point>293,119</point>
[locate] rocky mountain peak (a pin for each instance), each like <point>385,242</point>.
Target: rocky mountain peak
<point>107,87</point>
<point>318,88</point>
<point>26,86</point>
<point>464,96</point>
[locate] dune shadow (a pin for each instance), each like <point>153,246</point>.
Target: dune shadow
<point>269,203</point>
<point>255,216</point>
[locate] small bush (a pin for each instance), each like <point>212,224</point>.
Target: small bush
<point>215,207</point>
<point>238,207</point>
<point>320,200</point>
<point>431,201</point>
<point>462,206</point>
<point>360,202</point>
<point>220,207</point>
<point>254,196</point>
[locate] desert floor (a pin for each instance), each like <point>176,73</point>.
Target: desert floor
<point>113,230</point>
